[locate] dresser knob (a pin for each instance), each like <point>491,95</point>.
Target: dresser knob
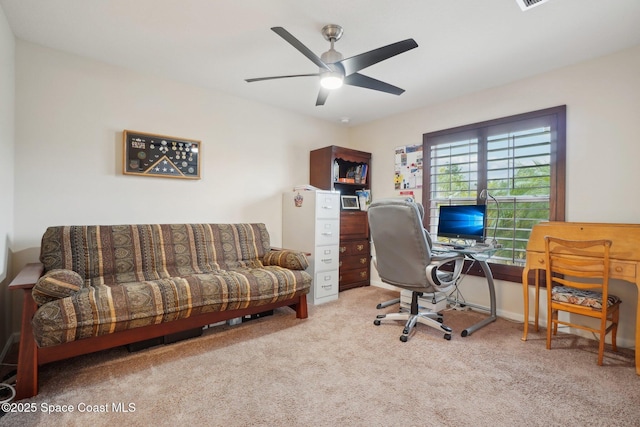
<point>541,260</point>
<point>363,260</point>
<point>363,274</point>
<point>619,269</point>
<point>360,247</point>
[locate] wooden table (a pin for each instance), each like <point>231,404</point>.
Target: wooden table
<point>624,257</point>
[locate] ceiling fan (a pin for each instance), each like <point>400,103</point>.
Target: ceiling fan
<point>334,70</point>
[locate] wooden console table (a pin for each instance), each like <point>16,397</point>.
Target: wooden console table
<point>625,259</point>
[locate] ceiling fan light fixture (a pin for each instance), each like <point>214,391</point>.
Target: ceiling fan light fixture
<point>334,71</point>
<point>331,80</point>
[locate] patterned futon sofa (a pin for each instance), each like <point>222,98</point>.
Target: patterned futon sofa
<point>98,287</point>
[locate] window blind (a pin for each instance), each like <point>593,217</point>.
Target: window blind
<point>516,159</point>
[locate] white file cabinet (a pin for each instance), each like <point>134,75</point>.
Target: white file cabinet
<point>311,223</point>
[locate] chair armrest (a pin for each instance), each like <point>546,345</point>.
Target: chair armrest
<point>445,279</point>
<point>27,277</point>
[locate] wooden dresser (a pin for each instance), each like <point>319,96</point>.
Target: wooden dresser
<point>355,257</point>
<point>330,170</point>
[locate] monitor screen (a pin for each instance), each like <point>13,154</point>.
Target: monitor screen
<point>462,222</point>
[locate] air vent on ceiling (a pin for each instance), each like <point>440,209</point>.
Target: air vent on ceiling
<point>528,4</point>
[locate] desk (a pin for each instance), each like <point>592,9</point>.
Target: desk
<point>480,254</point>
<point>624,259</point>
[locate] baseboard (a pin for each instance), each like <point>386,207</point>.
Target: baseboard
<point>380,284</point>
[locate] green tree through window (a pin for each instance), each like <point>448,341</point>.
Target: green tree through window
<point>518,159</point>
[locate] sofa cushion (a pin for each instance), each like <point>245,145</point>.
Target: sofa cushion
<point>101,310</point>
<point>115,254</point>
<point>286,259</point>
<point>582,297</point>
<point>56,284</point>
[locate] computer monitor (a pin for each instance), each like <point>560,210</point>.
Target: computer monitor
<point>462,222</point>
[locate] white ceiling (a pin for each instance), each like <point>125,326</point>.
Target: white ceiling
<point>464,45</point>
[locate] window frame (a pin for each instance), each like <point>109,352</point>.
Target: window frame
<point>557,196</point>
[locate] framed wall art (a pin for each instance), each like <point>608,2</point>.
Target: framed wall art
<point>163,156</point>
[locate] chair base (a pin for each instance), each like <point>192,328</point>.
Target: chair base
<point>431,319</point>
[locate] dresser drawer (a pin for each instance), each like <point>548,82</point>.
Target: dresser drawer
<point>617,269</point>
<point>354,225</point>
<point>326,283</point>
<point>623,270</point>
<point>327,231</point>
<point>327,205</point>
<point>354,276</point>
<point>354,247</point>
<point>354,262</point>
<point>327,258</point>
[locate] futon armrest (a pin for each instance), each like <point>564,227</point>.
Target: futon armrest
<point>27,277</point>
<point>286,258</point>
<point>276,249</point>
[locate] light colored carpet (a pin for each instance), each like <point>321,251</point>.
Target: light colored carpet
<point>337,368</point>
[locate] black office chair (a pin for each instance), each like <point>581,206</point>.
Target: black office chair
<point>404,259</point>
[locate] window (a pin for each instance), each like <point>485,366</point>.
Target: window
<point>519,159</point>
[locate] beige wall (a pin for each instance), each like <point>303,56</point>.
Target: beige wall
<point>69,119</point>
<point>603,150</point>
<point>70,113</point>
<point>7,96</point>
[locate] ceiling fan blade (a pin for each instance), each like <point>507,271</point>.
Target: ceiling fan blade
<point>322,96</point>
<point>364,60</point>
<point>298,45</point>
<point>258,79</point>
<point>361,80</point>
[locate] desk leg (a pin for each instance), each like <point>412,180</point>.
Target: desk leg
<point>525,288</point>
<point>638,331</point>
<point>536,303</point>
<point>492,295</point>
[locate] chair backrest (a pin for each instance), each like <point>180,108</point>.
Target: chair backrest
<point>402,245</point>
<point>580,264</point>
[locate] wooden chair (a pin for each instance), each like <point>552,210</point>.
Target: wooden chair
<point>578,282</point>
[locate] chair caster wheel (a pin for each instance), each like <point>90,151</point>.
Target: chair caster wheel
<point>405,331</point>
<point>404,338</point>
<point>376,322</point>
<point>447,337</point>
